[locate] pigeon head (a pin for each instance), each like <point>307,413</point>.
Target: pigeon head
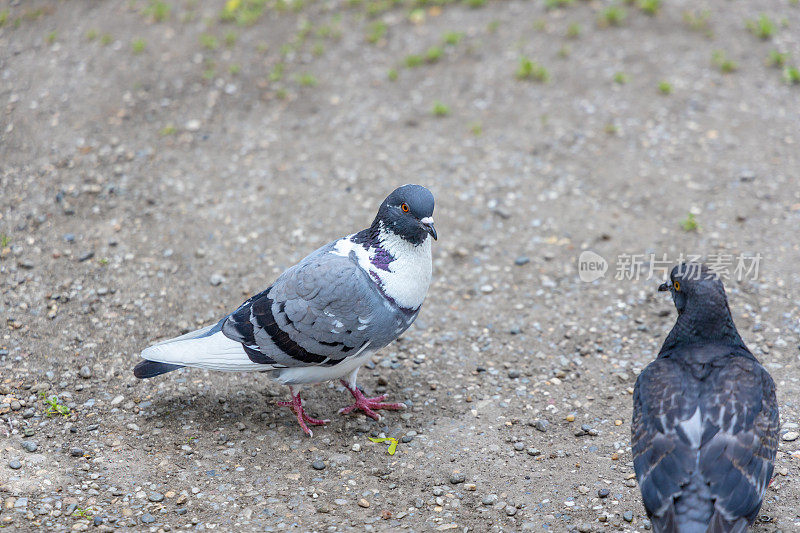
<point>695,284</point>
<point>703,312</point>
<point>408,213</point>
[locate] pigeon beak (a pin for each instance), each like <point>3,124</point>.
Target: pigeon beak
<point>427,225</point>
<point>664,287</point>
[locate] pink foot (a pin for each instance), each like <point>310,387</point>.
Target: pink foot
<point>368,404</point>
<point>296,405</point>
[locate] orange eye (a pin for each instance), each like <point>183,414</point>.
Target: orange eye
<point>404,207</point>
<point>677,285</point>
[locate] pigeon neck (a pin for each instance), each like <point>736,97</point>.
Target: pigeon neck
<point>703,324</point>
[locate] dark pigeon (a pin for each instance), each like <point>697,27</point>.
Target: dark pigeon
<point>705,417</point>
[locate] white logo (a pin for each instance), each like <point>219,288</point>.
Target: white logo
<point>591,266</point>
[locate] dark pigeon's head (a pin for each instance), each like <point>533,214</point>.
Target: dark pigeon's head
<point>696,285</point>
<point>408,213</point>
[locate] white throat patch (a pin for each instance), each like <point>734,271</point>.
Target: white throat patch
<point>408,277</point>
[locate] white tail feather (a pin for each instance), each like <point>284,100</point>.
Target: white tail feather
<point>213,352</point>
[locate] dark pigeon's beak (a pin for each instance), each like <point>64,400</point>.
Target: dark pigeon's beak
<point>427,225</point>
<point>664,286</point>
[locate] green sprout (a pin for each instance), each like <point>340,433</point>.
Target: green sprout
<point>440,109</point>
<point>138,46</point>
<point>665,87</point>
<point>169,129</point>
<point>763,27</point>
<point>82,513</point>
<point>452,38</point>
<point>698,21</point>
<point>690,223</point>
<point>4,240</point>
<point>574,30</point>
<point>621,78</point>
<point>55,408</point>
<point>209,42</point>
<point>612,16</point>
<point>433,54</point>
<point>158,10</point>
<point>777,59</point>
<point>392,74</point>
<point>650,7</point>
<point>723,63</point>
<point>306,79</point>
<point>791,75</point>
<point>530,70</point>
<point>376,31</point>
<point>392,443</point>
<point>413,60</point>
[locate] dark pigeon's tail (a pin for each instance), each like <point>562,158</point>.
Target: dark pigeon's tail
<point>150,369</point>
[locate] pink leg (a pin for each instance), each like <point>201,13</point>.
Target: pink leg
<point>296,405</point>
<point>368,404</point>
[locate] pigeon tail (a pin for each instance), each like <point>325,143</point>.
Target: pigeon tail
<point>150,369</point>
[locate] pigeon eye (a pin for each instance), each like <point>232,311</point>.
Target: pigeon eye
<point>404,207</point>
<point>676,285</point>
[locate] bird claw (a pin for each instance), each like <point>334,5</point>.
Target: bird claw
<point>367,405</point>
<point>296,405</point>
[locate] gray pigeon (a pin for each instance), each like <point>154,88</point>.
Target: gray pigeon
<point>324,317</point>
<point>705,418</point>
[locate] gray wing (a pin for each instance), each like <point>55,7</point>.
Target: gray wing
<point>318,312</point>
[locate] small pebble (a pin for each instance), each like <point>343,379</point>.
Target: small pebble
<point>489,499</point>
<point>519,446</point>
<point>457,477</point>
<point>603,493</point>
<point>155,497</point>
<point>790,436</point>
<point>541,424</point>
<point>14,464</point>
<point>76,452</point>
<point>216,279</point>
<point>511,510</point>
<point>627,516</point>
<point>522,260</point>
<point>318,465</point>
<point>85,372</point>
<point>363,503</point>
<point>147,518</point>
<point>30,446</point>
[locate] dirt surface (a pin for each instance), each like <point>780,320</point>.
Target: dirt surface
<point>155,173</point>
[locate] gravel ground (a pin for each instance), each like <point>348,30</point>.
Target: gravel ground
<point>156,170</point>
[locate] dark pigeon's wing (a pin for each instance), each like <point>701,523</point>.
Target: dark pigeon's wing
<point>662,452</point>
<point>318,312</point>
<point>738,460</point>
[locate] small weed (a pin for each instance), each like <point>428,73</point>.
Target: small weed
<point>440,109</point>
<point>106,39</point>
<point>621,78</point>
<point>698,21</point>
<point>91,35</point>
<point>777,59</point>
<point>376,31</point>
<point>690,223</point>
<point>82,513</point>
<point>282,94</point>
<point>493,26</point>
<point>392,74</point>
<point>262,47</point>
<point>230,38</point>
<point>574,30</point>
<point>158,10</point>
<point>763,27</point>
<point>555,4</point>
<point>55,408</point>
<point>306,79</point>
<point>103,261</point>
<point>540,24</point>
<point>276,74</point>
<point>612,16</point>
<point>723,62</point>
<point>235,69</point>
<point>4,240</point>
<point>209,42</point>
<point>51,37</point>
<point>530,70</point>
<point>209,72</point>
<point>791,75</point>
<point>3,17</point>
<point>138,46</point>
<point>665,87</point>
<point>475,4</point>
<point>452,38</point>
<point>413,60</point>
<point>476,128</point>
<point>564,51</point>
<point>167,130</point>
<point>650,7</point>
<point>243,12</point>
<point>611,128</point>
<point>318,49</point>
<point>433,54</point>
